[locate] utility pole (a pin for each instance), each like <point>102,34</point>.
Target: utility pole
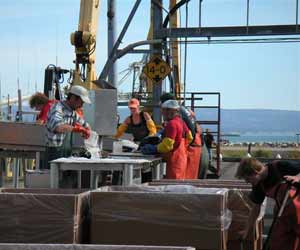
<point>20,110</point>
<point>9,110</point>
<point>111,38</point>
<point>0,100</point>
<point>156,20</point>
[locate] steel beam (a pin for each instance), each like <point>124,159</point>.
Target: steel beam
<point>119,54</point>
<point>110,61</point>
<point>229,31</point>
<point>111,38</point>
<point>157,21</point>
<point>140,51</point>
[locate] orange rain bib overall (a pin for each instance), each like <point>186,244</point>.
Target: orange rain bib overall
<point>177,162</point>
<point>286,231</point>
<point>193,158</point>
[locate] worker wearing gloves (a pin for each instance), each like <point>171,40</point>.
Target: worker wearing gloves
<point>175,138</point>
<point>194,149</point>
<point>270,181</point>
<point>139,123</point>
<point>63,121</point>
<point>186,115</point>
<point>40,102</point>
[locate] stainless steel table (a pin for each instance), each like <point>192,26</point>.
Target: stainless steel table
<point>18,153</point>
<point>158,169</point>
<point>128,166</point>
<point>133,155</point>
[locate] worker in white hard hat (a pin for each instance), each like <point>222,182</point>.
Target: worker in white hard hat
<point>175,139</point>
<point>193,170</point>
<point>63,120</point>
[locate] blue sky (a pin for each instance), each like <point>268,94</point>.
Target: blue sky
<point>34,32</point>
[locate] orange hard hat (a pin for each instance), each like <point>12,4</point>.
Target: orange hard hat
<point>133,103</point>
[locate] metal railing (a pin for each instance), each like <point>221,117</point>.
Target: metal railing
<point>191,102</point>
<point>189,8</point>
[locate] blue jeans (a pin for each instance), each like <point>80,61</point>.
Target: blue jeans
<point>209,154</point>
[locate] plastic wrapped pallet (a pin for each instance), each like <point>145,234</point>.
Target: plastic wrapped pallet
<point>254,241</point>
<point>238,203</point>
<point>43,216</point>
<point>84,247</point>
<point>163,215</point>
<point>210,182</point>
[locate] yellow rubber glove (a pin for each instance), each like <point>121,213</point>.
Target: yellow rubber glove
<point>120,130</point>
<point>189,137</point>
<point>166,145</point>
<point>151,127</point>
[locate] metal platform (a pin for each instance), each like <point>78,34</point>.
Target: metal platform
<point>130,167</point>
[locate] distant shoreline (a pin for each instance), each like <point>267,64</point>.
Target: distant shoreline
<point>261,151</point>
<point>262,139</point>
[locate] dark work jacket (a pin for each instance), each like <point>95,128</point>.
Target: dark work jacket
<point>139,131</point>
<point>276,171</point>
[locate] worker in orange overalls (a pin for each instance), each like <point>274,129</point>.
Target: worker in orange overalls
<point>175,139</point>
<point>195,147</point>
<point>267,181</point>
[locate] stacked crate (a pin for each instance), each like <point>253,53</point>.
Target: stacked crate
<point>43,216</point>
<point>84,247</point>
<point>163,215</point>
<point>240,206</point>
<point>207,215</point>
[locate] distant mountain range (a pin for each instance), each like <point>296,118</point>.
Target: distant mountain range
<point>243,121</point>
<point>260,121</point>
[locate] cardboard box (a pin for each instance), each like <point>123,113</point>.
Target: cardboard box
<point>238,203</point>
<point>43,216</point>
<point>37,179</point>
<point>162,215</point>
<point>247,245</point>
<point>253,242</point>
<point>216,183</point>
<point>85,247</point>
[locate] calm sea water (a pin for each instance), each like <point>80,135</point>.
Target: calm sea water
<point>261,138</point>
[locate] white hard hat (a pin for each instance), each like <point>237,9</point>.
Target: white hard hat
<point>170,104</point>
<point>81,92</point>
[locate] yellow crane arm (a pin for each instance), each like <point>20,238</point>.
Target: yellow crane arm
<point>84,41</point>
<point>175,52</point>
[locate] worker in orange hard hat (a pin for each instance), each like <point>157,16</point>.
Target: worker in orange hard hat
<point>139,123</point>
